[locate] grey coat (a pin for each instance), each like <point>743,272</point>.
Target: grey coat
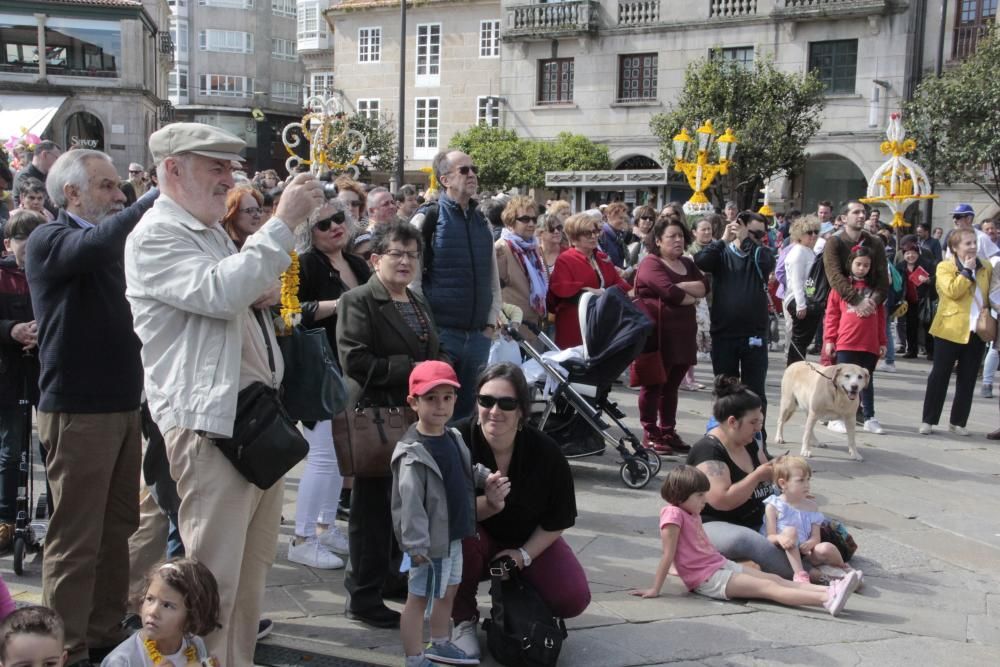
<point>419,500</point>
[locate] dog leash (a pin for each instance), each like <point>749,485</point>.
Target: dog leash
<point>811,366</point>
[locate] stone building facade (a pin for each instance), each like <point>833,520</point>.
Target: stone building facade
<point>103,81</point>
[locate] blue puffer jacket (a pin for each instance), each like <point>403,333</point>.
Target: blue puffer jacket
<point>458,285</point>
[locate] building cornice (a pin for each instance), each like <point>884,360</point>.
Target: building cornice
<point>116,12</point>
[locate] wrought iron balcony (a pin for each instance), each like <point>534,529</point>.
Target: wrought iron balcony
<point>166,43</point>
<point>545,21</point>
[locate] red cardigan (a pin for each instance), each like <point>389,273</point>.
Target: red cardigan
<point>847,331</point>
<point>571,274</point>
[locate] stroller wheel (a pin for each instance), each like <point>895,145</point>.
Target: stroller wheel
<point>635,473</point>
<point>20,547</point>
<point>652,459</point>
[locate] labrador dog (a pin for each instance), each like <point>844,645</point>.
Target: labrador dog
<point>825,392</point>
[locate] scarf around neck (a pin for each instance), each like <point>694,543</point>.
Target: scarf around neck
<point>527,254</point>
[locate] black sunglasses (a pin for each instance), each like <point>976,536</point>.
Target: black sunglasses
<point>526,218</point>
<point>465,169</point>
<point>506,403</point>
<point>647,217</point>
<point>337,218</point>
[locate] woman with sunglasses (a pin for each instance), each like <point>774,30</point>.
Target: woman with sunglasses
<point>383,329</point>
<point>582,268</point>
<point>244,213</point>
<point>523,277</point>
<point>528,525</point>
<point>798,263</point>
<point>325,273</point>
<point>645,216</point>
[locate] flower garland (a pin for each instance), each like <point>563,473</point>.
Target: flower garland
<point>191,653</point>
<point>291,309</point>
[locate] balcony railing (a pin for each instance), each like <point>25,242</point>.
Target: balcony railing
<point>733,8</point>
<point>638,12</point>
<point>558,19</point>
<point>965,38</point>
<point>812,8</point>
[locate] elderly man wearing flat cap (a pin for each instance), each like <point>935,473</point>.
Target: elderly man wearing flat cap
<point>197,304</point>
<point>90,386</point>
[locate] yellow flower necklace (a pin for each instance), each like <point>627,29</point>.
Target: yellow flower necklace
<point>191,653</point>
<point>291,309</point>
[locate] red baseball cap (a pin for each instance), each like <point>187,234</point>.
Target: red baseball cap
<point>429,374</point>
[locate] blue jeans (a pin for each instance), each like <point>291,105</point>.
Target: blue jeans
<point>11,439</point>
<point>468,352</point>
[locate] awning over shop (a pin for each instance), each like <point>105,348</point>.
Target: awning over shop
<point>27,112</point>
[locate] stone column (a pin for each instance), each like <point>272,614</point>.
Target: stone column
<point>40,18</point>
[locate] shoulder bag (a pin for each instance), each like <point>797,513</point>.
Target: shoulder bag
<point>265,443</point>
<point>364,437</point>
<point>647,369</point>
<point>986,325</point>
<point>521,630</point>
<point>314,389</point>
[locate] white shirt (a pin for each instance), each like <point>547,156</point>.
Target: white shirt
<point>798,263</point>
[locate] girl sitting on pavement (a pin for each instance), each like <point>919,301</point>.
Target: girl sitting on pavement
<point>704,570</point>
<point>792,521</point>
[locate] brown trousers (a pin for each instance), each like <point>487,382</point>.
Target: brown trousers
<point>231,526</point>
<point>93,468</point>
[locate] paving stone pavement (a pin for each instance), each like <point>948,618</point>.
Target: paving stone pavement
<point>925,511</point>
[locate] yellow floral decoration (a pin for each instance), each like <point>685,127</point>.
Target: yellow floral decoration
<point>191,653</point>
<point>291,309</point>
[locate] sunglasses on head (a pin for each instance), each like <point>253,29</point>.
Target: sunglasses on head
<point>506,403</point>
<point>337,218</point>
<point>465,169</point>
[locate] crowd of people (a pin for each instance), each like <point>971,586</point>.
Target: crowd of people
<point>137,309</point>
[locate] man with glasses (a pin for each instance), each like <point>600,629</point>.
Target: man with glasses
<point>199,304</point>
<point>963,216</point>
<point>381,208</point>
<point>135,185</point>
<point>43,157</point>
<point>459,278</point>
<point>740,265</point>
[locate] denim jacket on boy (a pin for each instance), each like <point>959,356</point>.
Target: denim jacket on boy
<point>419,500</point>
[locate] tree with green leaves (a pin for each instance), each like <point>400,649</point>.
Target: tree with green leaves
<point>955,120</point>
<point>774,114</point>
<point>506,160</point>
<point>380,143</point>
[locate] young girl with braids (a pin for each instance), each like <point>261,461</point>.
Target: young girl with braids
<point>180,604</point>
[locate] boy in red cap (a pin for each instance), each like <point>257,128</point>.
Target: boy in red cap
<point>433,509</point>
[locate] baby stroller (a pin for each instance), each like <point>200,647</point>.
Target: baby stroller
<point>614,333</point>
<point>29,535</point>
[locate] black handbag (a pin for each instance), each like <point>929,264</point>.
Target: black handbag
<point>318,391</point>
<point>521,630</point>
<point>928,309</point>
<point>265,443</point>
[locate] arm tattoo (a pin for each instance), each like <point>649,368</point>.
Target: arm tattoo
<point>715,468</point>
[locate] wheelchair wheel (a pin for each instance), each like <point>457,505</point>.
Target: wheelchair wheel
<point>635,473</point>
<point>20,547</point>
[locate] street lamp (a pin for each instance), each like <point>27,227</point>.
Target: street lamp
<point>694,162</point>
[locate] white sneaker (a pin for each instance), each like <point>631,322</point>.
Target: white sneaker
<point>872,426</point>
<point>313,554</point>
<point>464,637</point>
<point>837,426</point>
<point>886,367</point>
<point>959,430</point>
<point>334,540</point>
<point>925,429</point>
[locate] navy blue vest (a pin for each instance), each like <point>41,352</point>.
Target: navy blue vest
<point>458,285</point>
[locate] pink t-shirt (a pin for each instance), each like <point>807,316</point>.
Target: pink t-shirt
<point>695,559</point>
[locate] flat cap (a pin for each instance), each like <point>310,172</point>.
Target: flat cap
<point>198,138</point>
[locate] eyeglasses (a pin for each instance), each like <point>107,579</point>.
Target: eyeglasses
<point>398,255</point>
<point>465,169</point>
<point>527,218</point>
<point>356,203</point>
<point>647,217</point>
<point>757,233</point>
<point>324,224</point>
<point>252,210</point>
<point>505,403</point>
<point>589,233</point>
<point>135,171</point>
<point>557,228</point>
<point>813,232</point>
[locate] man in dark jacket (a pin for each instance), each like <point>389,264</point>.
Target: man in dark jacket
<point>740,266</point>
<point>88,409</point>
<point>43,157</point>
<point>18,363</point>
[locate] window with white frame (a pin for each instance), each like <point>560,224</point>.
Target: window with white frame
<point>225,85</point>
<point>286,91</point>
<point>177,82</point>
<point>488,111</point>
<point>369,107</point>
<point>284,8</point>
<point>234,4</point>
<point>311,23</point>
<point>428,54</point>
<point>225,41</point>
<point>283,49</point>
<point>179,34</point>
<point>426,126</point>
<point>321,83</point>
<point>489,39</point>
<point>369,45</point>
